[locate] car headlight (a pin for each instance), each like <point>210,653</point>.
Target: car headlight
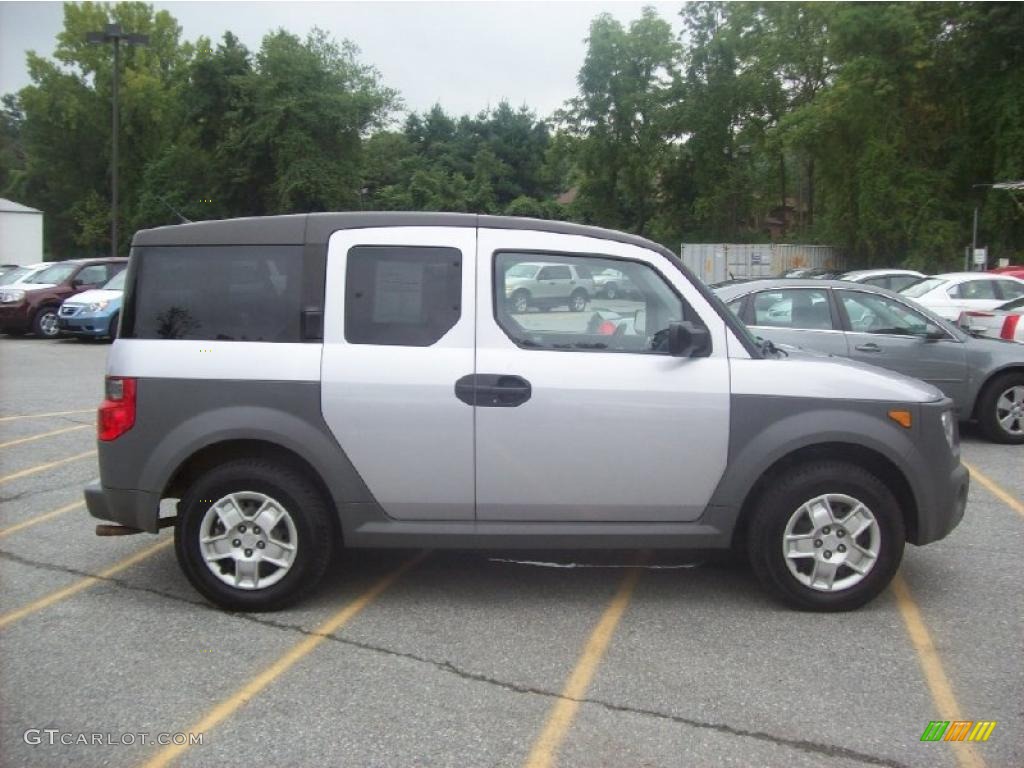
<point>11,297</point>
<point>950,430</point>
<point>96,306</point>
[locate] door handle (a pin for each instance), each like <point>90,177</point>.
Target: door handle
<point>869,347</point>
<point>493,390</point>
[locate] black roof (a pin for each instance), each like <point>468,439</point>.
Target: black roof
<point>316,228</point>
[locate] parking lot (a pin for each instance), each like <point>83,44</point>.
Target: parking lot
<point>406,658</point>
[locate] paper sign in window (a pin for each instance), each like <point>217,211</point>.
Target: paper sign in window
<point>398,292</point>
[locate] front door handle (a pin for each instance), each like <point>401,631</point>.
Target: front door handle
<point>869,347</point>
<point>493,390</point>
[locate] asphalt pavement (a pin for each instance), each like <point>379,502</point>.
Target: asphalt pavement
<point>467,659</point>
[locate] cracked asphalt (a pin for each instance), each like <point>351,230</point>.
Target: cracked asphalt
<point>460,661</point>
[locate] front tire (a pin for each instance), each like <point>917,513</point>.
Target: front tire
<point>826,536</point>
<point>1001,409</point>
<point>578,301</point>
<point>45,324</point>
<point>112,328</point>
<point>521,301</point>
<point>253,535</point>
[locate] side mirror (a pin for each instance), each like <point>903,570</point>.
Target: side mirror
<point>76,283</point>
<point>932,332</point>
<point>640,322</point>
<point>687,340</point>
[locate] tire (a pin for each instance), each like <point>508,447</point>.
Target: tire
<point>44,323</point>
<point>112,328</point>
<point>780,509</point>
<point>578,301</point>
<point>611,291</point>
<point>521,301</point>
<point>1001,409</point>
<point>244,484</point>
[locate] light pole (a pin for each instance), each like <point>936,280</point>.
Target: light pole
<point>114,34</point>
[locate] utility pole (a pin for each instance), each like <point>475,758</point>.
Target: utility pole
<point>114,34</point>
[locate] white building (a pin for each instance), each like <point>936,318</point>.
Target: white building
<point>21,233</point>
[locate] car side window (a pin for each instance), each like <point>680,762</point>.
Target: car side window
<point>977,289</point>
<point>799,308</point>
<point>580,318</point>
<point>872,313</point>
<point>407,296</point>
<point>555,273</point>
<point>878,282</point>
<point>94,274</point>
<point>899,282</point>
<point>1011,289</point>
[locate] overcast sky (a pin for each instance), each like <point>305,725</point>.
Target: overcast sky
<point>465,55</point>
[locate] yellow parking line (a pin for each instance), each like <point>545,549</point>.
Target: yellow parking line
<point>44,467</point>
<point>29,439</point>
<point>992,487</point>
<point>564,711</point>
<point>45,415</point>
<point>931,665</point>
<point>39,519</point>
<point>242,696</point>
<point>7,619</point>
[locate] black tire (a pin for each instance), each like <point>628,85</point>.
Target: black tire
<point>521,301</point>
<point>308,510</point>
<point>611,291</point>
<point>785,495</point>
<point>988,417</point>
<point>13,331</point>
<point>578,301</point>
<point>44,323</point>
<point>112,328</point>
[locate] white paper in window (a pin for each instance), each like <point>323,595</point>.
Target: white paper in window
<point>398,292</point>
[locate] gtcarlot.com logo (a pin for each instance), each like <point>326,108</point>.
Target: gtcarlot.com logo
<point>958,730</point>
<point>53,736</point>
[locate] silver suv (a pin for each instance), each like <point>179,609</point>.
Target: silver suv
<point>545,285</point>
<point>299,384</point>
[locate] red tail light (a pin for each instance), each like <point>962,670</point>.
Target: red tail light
<point>117,412</point>
<point>1010,327</point>
<point>607,328</point>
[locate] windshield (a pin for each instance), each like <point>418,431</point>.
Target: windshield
<point>920,289</point>
<point>116,283</point>
<point>14,275</point>
<point>522,270</point>
<point>58,273</point>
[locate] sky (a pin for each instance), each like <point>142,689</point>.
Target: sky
<point>464,55</point>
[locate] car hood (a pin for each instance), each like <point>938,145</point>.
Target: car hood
<point>96,294</point>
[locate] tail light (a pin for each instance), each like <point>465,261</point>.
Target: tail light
<point>117,412</point>
<point>1010,327</point>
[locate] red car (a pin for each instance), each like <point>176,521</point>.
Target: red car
<point>1011,271</point>
<point>32,306</point>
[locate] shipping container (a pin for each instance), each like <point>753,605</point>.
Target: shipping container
<point>715,262</point>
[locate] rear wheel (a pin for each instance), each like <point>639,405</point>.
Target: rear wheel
<point>520,301</point>
<point>44,324</point>
<point>611,291</point>
<point>253,535</point>
<point>1001,409</point>
<point>827,536</point>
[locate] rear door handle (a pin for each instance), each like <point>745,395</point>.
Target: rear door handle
<point>493,390</point>
<point>869,347</point>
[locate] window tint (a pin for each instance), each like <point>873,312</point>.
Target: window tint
<point>116,283</point>
<point>871,313</point>
<point>917,290</point>
<point>567,316</point>
<point>804,308</point>
<point>977,289</point>
<point>216,293</point>
<point>878,282</point>
<point>899,282</point>
<point>402,295</point>
<point>1011,289</point>
<point>555,273</point>
<point>95,274</point>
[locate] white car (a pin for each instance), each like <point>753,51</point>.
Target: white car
<point>16,277</point>
<point>950,294</point>
<point>893,279</point>
<point>1003,322</point>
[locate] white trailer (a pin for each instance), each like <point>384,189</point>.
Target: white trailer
<point>21,233</point>
<point>715,262</point>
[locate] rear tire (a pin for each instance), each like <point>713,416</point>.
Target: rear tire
<point>1001,409</point>
<point>218,519</point>
<point>809,512</point>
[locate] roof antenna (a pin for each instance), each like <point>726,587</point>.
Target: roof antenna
<point>177,213</point>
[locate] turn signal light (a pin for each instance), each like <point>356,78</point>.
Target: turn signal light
<point>901,417</point>
<point>117,412</point>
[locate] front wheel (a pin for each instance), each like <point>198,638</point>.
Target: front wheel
<point>112,328</point>
<point>1001,409</point>
<point>44,324</point>
<point>578,301</point>
<point>253,535</point>
<point>827,536</point>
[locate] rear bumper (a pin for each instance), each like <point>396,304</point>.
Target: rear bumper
<point>136,509</point>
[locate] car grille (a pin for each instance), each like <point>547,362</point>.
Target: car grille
<point>67,310</point>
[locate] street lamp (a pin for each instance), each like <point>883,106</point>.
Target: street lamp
<point>114,34</point>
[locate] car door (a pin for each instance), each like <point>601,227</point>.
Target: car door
<point>583,416</point>
<point>891,334</point>
<point>976,294</point>
<point>399,322</point>
<point>802,317</point>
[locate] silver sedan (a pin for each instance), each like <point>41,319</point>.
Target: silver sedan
<point>985,377</point>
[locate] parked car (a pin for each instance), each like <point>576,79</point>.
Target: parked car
<point>7,268</point>
<point>613,283</point>
<point>546,284</point>
<point>32,303</point>
<point>950,294</point>
<point>824,273</point>
<point>94,314</point>
<point>893,279</point>
<point>984,377</point>
<point>20,274</point>
<point>370,386</point>
<point>1012,271</point>
<point>1003,322</point>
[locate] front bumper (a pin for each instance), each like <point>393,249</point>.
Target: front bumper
<point>942,482</point>
<point>947,508</point>
<point>84,326</point>
<point>14,317</point>
<point>135,509</point>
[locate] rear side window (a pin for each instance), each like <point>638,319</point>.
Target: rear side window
<point>216,293</point>
<point>400,295</point>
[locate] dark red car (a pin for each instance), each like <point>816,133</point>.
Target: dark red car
<point>32,306</point>
<point>1011,271</point>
